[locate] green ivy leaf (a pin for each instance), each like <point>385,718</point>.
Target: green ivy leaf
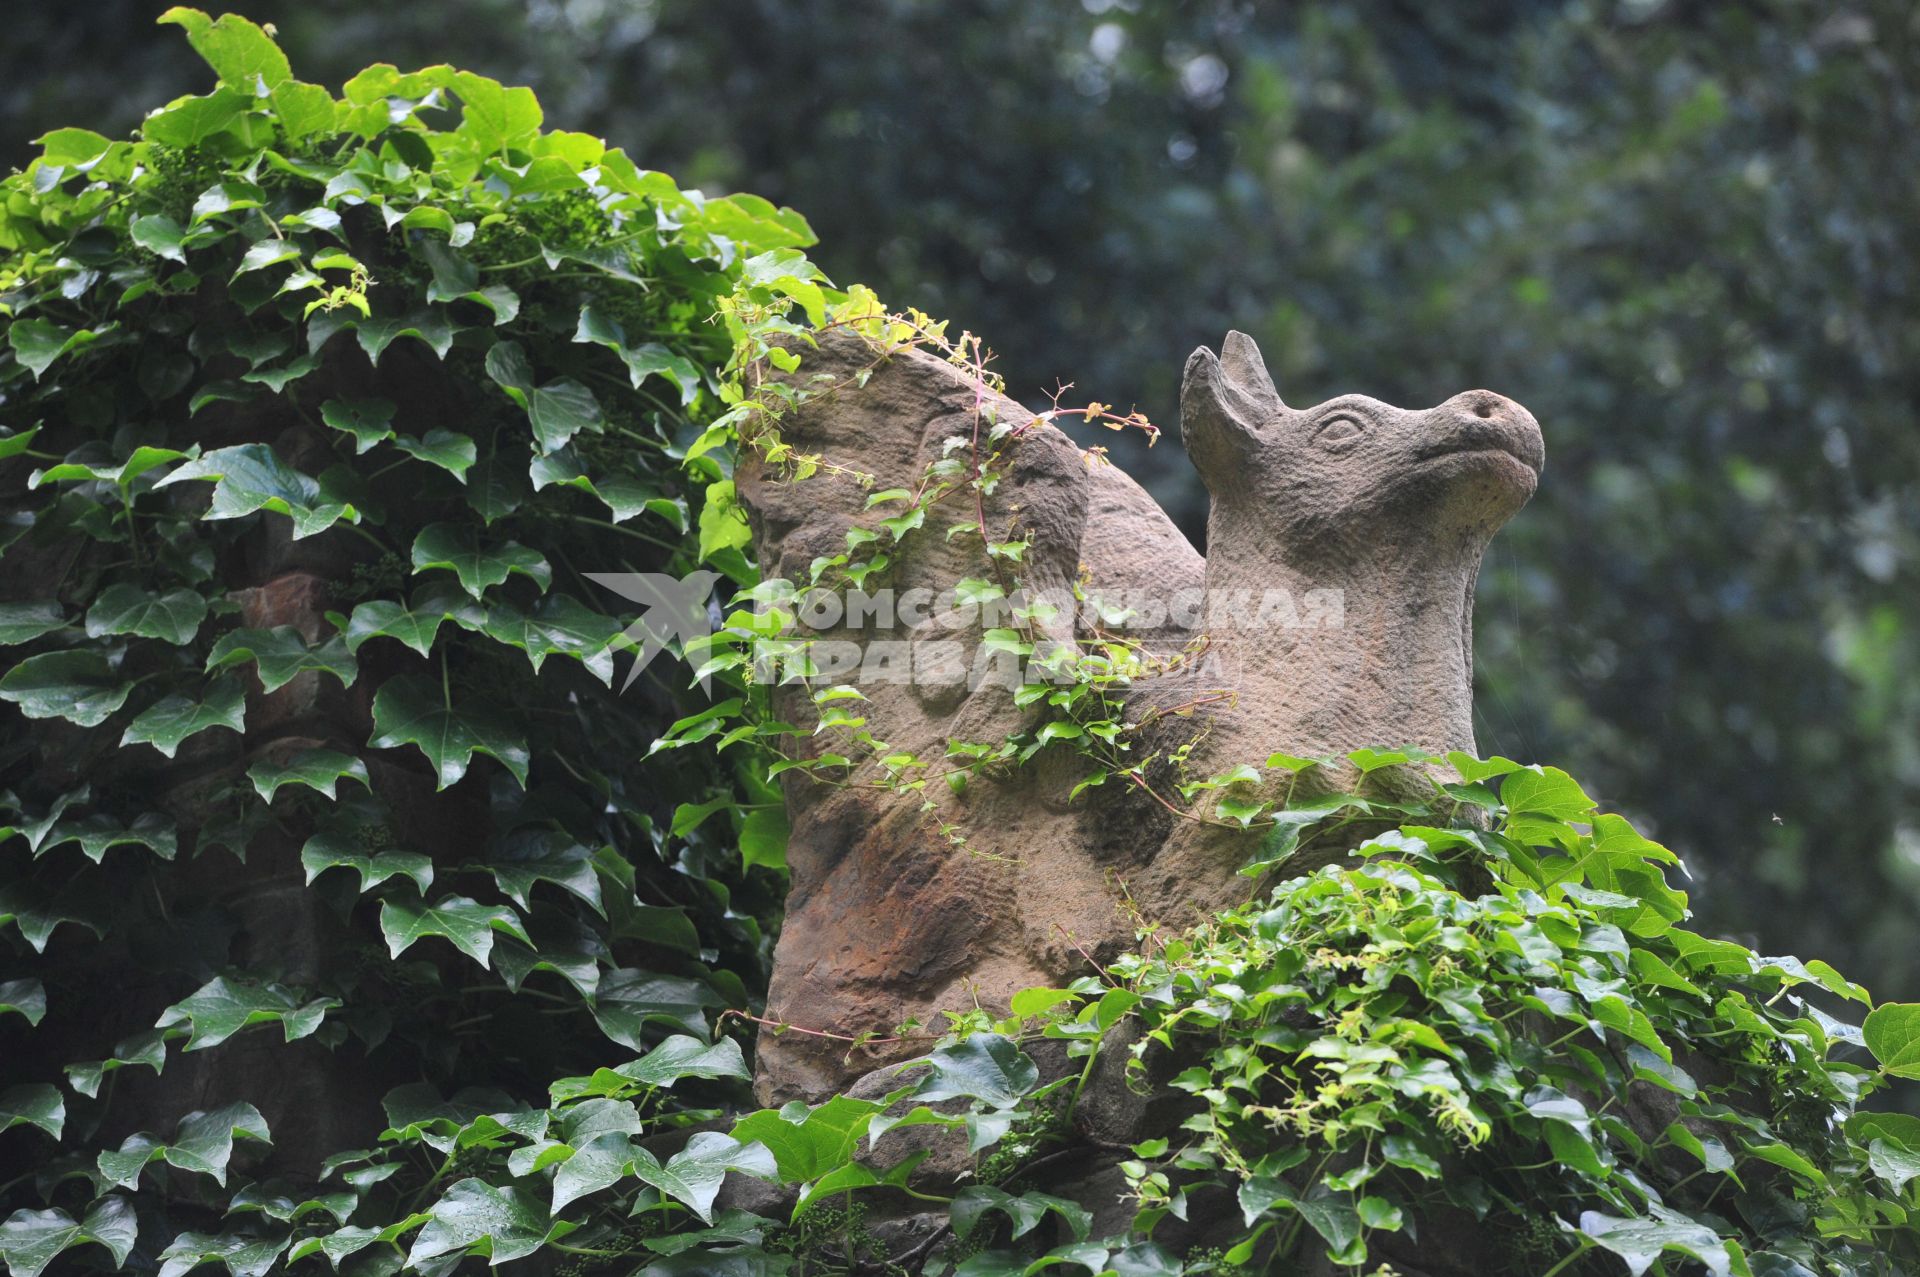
<point>241,53</point>
<point>78,686</point>
<point>222,1007</point>
<point>33,1104</point>
<point>97,833</point>
<point>243,1255</point>
<point>629,999</point>
<point>186,122</point>
<point>452,452</point>
<point>24,622</point>
<point>37,343</point>
<point>369,421</point>
<point>251,477</point>
<point>167,723</point>
<point>281,654</point>
<point>763,838</point>
<point>412,711</point>
<point>468,924</point>
<point>723,525</point>
<point>203,1143</point>
<point>347,841</point>
<point>121,474</point>
<point>557,411</point>
<point>30,1240</point>
<point>1641,1242</point>
<point>693,1176</point>
<point>1892,1031</point>
<point>414,625</point>
<point>809,1142</point>
<point>27,998</point>
<point>457,279</point>
<point>474,1217</point>
<point>559,625</point>
<point>318,769</point>
<point>455,547</point>
<point>148,1049</point>
<point>160,235</point>
<point>985,1067</point>
<point>128,609</point>
<point>649,359</point>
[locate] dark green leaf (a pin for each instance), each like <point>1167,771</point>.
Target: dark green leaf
<point>412,711</point>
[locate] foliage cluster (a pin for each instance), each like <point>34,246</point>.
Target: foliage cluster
<point>1498,1016</point>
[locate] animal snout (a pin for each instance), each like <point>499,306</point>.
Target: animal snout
<point>1482,419</point>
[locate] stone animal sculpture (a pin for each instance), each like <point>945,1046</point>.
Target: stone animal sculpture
<point>1384,510</point>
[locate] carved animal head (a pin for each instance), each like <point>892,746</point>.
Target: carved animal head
<point>1295,480</point>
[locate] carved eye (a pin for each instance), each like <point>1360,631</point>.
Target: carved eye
<point>1339,432</point>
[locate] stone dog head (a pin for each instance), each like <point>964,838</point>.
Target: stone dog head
<point>1299,485</point>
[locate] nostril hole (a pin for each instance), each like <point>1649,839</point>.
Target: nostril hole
<point>1483,409</point>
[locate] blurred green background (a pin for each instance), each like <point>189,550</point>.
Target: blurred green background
<point>1684,234</point>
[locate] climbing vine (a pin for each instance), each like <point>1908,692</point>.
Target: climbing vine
<point>324,417</point>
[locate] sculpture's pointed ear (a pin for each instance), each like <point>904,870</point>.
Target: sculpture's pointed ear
<point>1224,402</point>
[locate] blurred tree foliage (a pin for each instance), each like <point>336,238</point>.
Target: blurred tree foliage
<point>1682,233</point>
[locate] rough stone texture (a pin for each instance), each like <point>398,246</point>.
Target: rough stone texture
<point>889,918</point>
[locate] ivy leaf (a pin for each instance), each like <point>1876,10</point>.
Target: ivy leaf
<point>25,622</point>
<point>98,833</point>
<point>557,411</point>
<point>241,53</point>
<point>493,116</point>
<point>222,1007</point>
<point>251,476</point>
<point>277,379</point>
<point>681,1056</point>
<point>412,711</point>
<point>1641,1242</point>
<point>1892,1031</point>
<point>1545,791</point>
<point>468,924</point>
<point>559,625</point>
<point>318,769</point>
<point>78,686</point>
<point>33,829</point>
<point>475,1217</point>
<point>546,856</point>
<point>1026,1210</point>
<point>624,495</point>
<point>127,609</point>
<point>148,1048</point>
<point>452,452</point>
<point>648,359</point>
<point>32,1239</point>
<point>186,122</point>
<point>281,654</point>
<point>694,1175</point>
<point>37,343</point>
<point>763,838</point>
<point>33,1104</point>
<point>160,235</point>
<point>808,1142</point>
<point>723,525</point>
<point>455,548</point>
<point>457,279</point>
<point>203,1142</point>
<point>985,1067</point>
<point>595,1164</point>
<point>1893,1163</point>
<point>415,625</point>
<point>369,421</point>
<point>348,840</point>
<point>629,999</point>
<point>242,1254</point>
<point>167,723</point>
<point>141,460</point>
<point>27,998</point>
